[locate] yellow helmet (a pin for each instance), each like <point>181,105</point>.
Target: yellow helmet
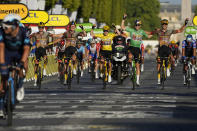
<point>164,21</point>
<point>41,24</point>
<point>173,42</point>
<point>106,27</point>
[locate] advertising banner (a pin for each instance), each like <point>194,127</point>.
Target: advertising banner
<point>57,20</point>
<point>36,16</point>
<point>19,9</point>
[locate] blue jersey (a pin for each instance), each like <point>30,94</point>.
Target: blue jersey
<point>15,43</point>
<point>187,45</point>
<point>81,50</point>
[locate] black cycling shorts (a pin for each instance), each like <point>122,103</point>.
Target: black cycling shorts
<point>136,52</point>
<point>188,52</point>
<point>60,55</point>
<point>174,51</point>
<point>70,51</point>
<point>164,51</point>
<point>40,52</point>
<point>106,54</point>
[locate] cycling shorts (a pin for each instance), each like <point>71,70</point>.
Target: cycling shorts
<point>40,52</point>
<point>12,56</point>
<point>60,55</point>
<point>70,51</point>
<point>136,52</point>
<point>106,54</point>
<point>164,51</point>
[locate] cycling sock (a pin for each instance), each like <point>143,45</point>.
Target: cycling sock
<point>158,76</point>
<point>168,66</point>
<point>65,76</point>
<point>138,77</point>
<point>20,82</point>
<point>45,65</point>
<point>35,76</point>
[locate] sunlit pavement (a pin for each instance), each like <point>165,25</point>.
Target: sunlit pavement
<point>87,107</point>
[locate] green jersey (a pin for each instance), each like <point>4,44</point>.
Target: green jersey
<point>136,36</point>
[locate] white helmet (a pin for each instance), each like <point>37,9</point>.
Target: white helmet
<point>12,19</point>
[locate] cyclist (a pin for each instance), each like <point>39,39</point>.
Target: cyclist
<point>80,54</point>
<point>164,40</point>
<point>14,47</point>
<point>71,37</point>
<point>93,52</point>
<point>175,52</point>
<point>60,54</point>
<point>106,49</point>
<point>189,50</point>
<point>135,44</point>
<point>41,38</point>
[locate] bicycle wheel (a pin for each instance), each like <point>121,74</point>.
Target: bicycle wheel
<point>62,73</point>
<point>104,78</point>
<point>133,77</point>
<point>162,76</point>
<point>9,105</point>
<point>92,71</point>
<point>188,77</point>
<point>39,79</point>
<point>69,78</point>
<point>78,72</point>
<point>119,75</point>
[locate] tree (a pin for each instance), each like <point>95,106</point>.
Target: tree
<point>9,1</point>
<point>50,4</point>
<point>71,5</point>
<point>86,8</point>
<point>195,11</point>
<point>145,10</point>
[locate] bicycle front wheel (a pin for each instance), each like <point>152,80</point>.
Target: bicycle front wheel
<point>163,75</point>
<point>69,78</point>
<point>104,78</point>
<point>9,106</point>
<point>39,79</point>
<point>133,77</point>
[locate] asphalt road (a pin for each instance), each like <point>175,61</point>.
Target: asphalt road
<point>89,108</point>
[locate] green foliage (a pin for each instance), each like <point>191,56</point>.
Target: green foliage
<point>195,11</point>
<point>86,9</point>
<point>71,5</point>
<point>9,1</point>
<point>50,4</point>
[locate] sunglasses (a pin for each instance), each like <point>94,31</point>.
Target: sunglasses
<point>5,26</point>
<point>164,24</point>
<point>106,31</point>
<point>41,27</point>
<point>138,25</point>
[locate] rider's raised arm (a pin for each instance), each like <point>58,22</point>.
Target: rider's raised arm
<point>123,22</point>
<point>92,30</point>
<point>182,28</point>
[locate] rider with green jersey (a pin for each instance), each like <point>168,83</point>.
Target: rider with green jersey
<point>136,35</point>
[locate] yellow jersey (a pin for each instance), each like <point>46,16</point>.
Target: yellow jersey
<point>106,41</point>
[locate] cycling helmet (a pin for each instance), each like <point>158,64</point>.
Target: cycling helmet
<point>138,22</point>
<point>41,24</point>
<point>62,42</point>
<point>173,42</point>
<point>106,28</point>
<point>93,41</point>
<point>189,38</point>
<point>72,23</point>
<point>164,21</point>
<point>11,19</point>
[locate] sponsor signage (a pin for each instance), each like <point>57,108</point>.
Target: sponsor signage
<point>19,9</point>
<point>57,20</point>
<point>86,26</point>
<point>35,17</point>
<point>190,30</point>
<point>195,20</point>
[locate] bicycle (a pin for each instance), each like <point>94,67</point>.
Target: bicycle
<point>39,71</point>
<point>78,70</point>
<point>163,70</point>
<point>61,64</point>
<point>188,73</point>
<point>9,98</point>
<point>69,71</point>
<point>132,71</point>
<point>92,68</point>
<point>107,61</point>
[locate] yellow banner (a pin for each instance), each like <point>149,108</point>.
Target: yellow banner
<point>36,16</point>
<point>57,20</point>
<point>195,20</point>
<point>19,9</point>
